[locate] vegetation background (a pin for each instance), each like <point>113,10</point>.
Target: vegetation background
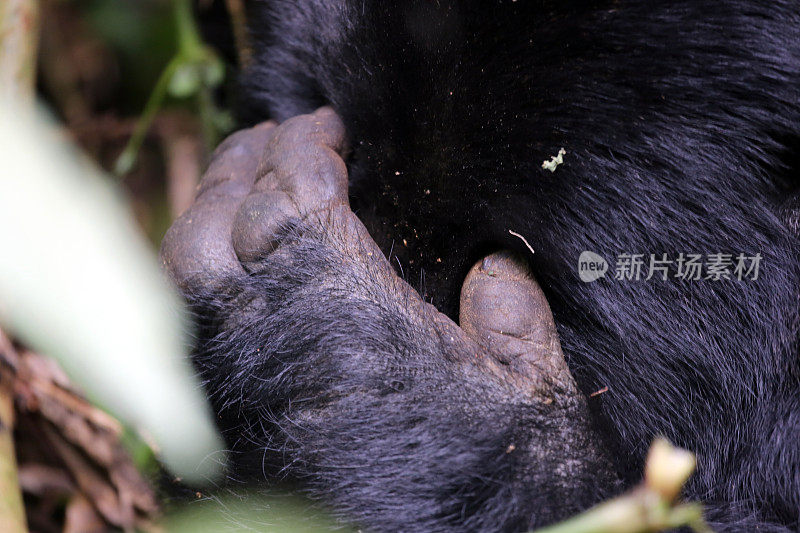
<point>101,61</point>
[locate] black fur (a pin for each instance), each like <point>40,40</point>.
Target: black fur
<point>321,373</point>
<point>681,123</point>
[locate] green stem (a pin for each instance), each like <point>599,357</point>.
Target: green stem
<point>689,514</point>
<point>627,514</point>
<point>189,42</point>
<point>127,159</point>
<point>190,49</point>
<point>641,511</point>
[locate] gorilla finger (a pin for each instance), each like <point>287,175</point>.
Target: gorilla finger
<point>303,159</point>
<point>504,310</point>
<point>257,223</point>
<point>301,174</point>
<point>197,251</point>
<point>323,127</point>
<point>234,165</point>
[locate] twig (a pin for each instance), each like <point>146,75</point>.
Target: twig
<point>183,153</point>
<point>244,51</point>
<point>515,234</point>
<point>12,510</point>
<point>19,27</point>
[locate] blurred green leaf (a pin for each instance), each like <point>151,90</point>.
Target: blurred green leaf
<point>249,512</point>
<point>79,283</point>
<point>213,70</point>
<point>185,80</point>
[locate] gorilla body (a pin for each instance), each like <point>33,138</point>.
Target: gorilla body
<point>681,122</point>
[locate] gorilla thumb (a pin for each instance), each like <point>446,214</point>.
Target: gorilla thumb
<point>504,310</point>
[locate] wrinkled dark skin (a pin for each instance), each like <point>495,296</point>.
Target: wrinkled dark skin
<point>504,359</point>
<point>261,177</point>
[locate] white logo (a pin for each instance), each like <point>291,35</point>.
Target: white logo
<point>591,267</point>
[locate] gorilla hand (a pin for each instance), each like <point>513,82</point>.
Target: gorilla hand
<point>326,367</point>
